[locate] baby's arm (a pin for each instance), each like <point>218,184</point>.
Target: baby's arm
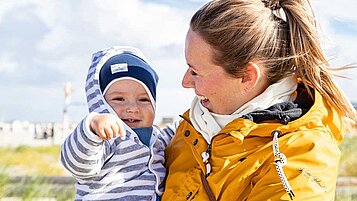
<point>84,152</point>
<point>168,132</point>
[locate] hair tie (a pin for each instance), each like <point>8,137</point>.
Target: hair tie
<point>275,7</point>
<point>272,4</point>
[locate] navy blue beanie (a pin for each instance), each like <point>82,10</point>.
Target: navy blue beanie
<point>128,65</point>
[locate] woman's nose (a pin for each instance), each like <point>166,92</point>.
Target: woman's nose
<point>187,81</point>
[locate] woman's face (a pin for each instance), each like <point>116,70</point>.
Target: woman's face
<point>219,92</point>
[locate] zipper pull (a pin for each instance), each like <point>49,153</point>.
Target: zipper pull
<point>205,156</point>
<point>208,169</point>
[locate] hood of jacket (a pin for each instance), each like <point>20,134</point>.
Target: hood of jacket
<point>95,98</point>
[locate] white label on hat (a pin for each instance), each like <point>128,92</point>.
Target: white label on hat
<point>116,68</point>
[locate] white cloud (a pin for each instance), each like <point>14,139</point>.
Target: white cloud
<point>152,25</point>
<point>154,28</point>
<point>340,46</point>
<point>54,12</point>
<point>344,53</point>
<point>199,1</point>
<point>8,64</point>
<point>345,9</point>
<point>6,6</point>
<point>55,41</point>
<point>75,29</point>
<point>149,25</point>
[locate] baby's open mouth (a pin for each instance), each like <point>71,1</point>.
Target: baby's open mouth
<point>131,120</point>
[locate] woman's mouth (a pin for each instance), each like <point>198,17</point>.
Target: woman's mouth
<point>204,101</point>
<point>202,98</point>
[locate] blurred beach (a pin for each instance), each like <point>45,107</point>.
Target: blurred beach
<point>30,167</point>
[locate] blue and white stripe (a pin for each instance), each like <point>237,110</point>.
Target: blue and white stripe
<point>116,169</point>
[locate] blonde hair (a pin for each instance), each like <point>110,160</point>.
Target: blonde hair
<point>242,31</point>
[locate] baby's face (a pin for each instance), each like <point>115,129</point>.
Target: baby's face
<point>131,102</point>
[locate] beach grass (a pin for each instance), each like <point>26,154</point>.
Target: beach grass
<point>40,162</point>
<point>348,162</point>
<point>36,161</point>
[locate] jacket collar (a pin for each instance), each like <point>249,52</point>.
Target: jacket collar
<point>286,117</point>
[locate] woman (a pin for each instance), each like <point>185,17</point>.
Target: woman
<point>267,119</point>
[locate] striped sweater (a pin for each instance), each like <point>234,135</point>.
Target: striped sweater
<point>116,169</point>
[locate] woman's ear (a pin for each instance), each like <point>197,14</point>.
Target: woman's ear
<point>251,76</point>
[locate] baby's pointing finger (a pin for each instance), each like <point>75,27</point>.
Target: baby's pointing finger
<point>115,129</point>
<point>101,134</point>
<point>121,129</point>
<point>109,133</point>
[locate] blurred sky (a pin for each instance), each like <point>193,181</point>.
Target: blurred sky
<point>44,44</point>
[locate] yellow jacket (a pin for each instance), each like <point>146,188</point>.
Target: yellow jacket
<point>242,159</point>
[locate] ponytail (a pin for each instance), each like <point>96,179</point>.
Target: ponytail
<point>308,59</point>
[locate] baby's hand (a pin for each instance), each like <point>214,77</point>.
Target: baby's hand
<point>107,126</point>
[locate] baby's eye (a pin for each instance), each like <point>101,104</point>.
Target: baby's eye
<point>144,100</point>
<point>118,99</point>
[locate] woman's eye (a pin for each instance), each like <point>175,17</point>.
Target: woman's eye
<point>193,72</point>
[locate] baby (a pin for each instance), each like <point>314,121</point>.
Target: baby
<point>116,153</point>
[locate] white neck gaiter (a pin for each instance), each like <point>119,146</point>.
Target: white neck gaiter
<point>209,124</point>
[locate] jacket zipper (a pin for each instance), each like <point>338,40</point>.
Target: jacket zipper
<point>207,155</point>
<point>205,159</point>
